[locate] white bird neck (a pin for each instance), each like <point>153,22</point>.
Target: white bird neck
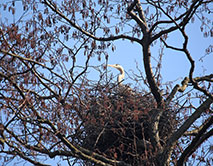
<point>120,78</point>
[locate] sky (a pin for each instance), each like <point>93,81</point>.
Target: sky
<point>128,53</point>
<point>175,65</point>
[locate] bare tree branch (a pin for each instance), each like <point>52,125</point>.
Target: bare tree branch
<point>197,130</point>
<point>176,89</point>
<point>111,38</point>
<point>205,105</point>
<point>141,21</point>
<point>196,142</point>
<point>184,21</point>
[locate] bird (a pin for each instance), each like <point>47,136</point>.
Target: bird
<point>121,76</point>
<point>122,89</point>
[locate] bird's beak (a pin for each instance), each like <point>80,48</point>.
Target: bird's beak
<point>111,65</point>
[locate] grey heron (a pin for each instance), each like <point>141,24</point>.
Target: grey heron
<point>121,75</point>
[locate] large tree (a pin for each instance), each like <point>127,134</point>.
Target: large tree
<point>51,107</point>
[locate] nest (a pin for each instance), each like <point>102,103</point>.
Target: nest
<point>117,124</point>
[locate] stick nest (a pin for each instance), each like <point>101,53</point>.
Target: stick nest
<point>118,124</point>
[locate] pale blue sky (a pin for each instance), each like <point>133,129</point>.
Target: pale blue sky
<point>175,64</point>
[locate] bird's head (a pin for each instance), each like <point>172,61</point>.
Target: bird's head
<point>118,67</point>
